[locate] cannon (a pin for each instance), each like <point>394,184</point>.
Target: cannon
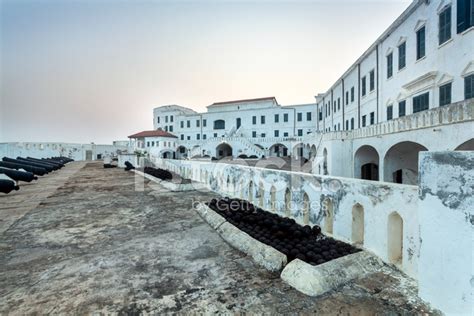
<point>30,163</point>
<point>54,167</point>
<point>18,175</point>
<point>53,163</point>
<point>128,166</point>
<point>17,166</point>
<point>6,186</point>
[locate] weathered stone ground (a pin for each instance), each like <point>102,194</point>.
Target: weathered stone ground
<point>94,244</point>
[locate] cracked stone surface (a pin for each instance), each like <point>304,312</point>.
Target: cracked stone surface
<point>91,243</point>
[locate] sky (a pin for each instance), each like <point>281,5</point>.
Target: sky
<point>93,70</point>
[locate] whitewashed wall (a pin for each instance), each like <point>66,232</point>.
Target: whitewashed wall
<point>45,150</point>
<point>379,200</point>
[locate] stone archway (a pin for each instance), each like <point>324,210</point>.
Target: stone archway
<point>467,145</point>
<point>223,150</point>
<point>401,163</point>
<point>366,163</point>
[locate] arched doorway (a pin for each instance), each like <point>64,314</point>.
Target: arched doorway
<point>223,150</point>
<point>325,162</point>
<point>167,154</point>
<point>401,163</point>
<point>313,152</point>
<point>358,224</point>
<point>328,216</point>
<point>366,163</point>
<point>250,192</point>
<point>278,150</point>
<point>273,199</point>
<point>395,238</point>
<point>181,152</point>
<point>261,193</point>
<point>306,209</point>
<point>287,202</point>
<point>298,151</point>
<point>468,145</point>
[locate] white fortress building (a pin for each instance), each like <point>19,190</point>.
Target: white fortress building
<point>402,116</point>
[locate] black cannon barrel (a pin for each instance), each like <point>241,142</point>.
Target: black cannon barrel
<point>62,159</point>
<point>35,170</point>
<point>18,175</point>
<point>6,186</point>
<point>29,163</point>
<point>37,164</point>
<point>54,164</point>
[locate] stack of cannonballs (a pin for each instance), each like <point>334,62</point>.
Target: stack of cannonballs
<point>283,234</point>
<point>165,175</point>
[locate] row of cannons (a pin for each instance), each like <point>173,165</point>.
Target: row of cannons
<point>14,171</point>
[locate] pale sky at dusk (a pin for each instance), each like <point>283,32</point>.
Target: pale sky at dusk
<point>92,71</point>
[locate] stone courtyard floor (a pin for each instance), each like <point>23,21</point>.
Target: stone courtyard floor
<point>82,240</point>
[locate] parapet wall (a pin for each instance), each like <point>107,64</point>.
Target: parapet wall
<point>351,210</point>
<point>44,150</point>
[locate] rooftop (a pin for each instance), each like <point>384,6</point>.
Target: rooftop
<point>244,101</point>
<point>85,241</point>
<point>154,133</point>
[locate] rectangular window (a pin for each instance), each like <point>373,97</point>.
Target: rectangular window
<point>389,112</point>
<point>364,83</point>
<point>300,132</point>
<point>334,107</point>
<point>308,116</point>
<point>285,117</point>
<point>390,65</point>
<point>352,123</point>
<point>171,118</point>
<point>188,137</point>
<point>198,136</point>
<point>445,94</point>
<point>204,122</point>
<point>364,120</point>
<point>171,128</point>
<point>166,128</point>
<point>420,43</point>
<point>262,119</point>
<point>347,125</point>
<point>338,104</point>
<point>182,124</point>
<point>300,117</point>
<point>277,118</point>
<point>166,119</point>
<point>421,102</point>
<point>372,118</point>
<point>285,134</point>
<point>204,136</point>
<point>465,15</point>
<point>182,137</point>
<point>372,80</point>
<point>198,122</point>
<point>401,108</point>
<point>402,55</point>
<point>188,123</point>
<point>263,135</point>
<point>158,119</point>
<point>254,134</point>
<point>277,133</point>
<point>321,115</point>
<point>254,120</point>
<point>347,97</point>
<point>469,87</point>
<point>215,135</point>
<point>147,144</point>
<point>445,25</point>
<point>352,94</point>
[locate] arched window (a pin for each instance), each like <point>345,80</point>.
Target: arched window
<point>273,198</point>
<point>288,202</point>
<point>306,208</point>
<point>358,224</point>
<point>219,124</point>
<point>395,238</point>
<point>329,216</point>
